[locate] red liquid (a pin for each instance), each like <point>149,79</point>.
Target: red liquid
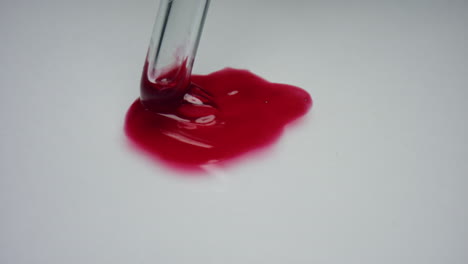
<point>222,115</point>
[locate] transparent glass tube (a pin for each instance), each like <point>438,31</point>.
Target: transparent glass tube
<point>172,50</point>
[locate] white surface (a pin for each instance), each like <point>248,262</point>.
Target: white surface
<point>376,174</point>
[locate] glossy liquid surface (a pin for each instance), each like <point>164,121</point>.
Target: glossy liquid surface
<point>221,116</point>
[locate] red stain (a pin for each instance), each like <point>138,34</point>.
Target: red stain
<point>221,116</point>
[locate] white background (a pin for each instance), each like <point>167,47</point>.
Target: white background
<point>376,173</point>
